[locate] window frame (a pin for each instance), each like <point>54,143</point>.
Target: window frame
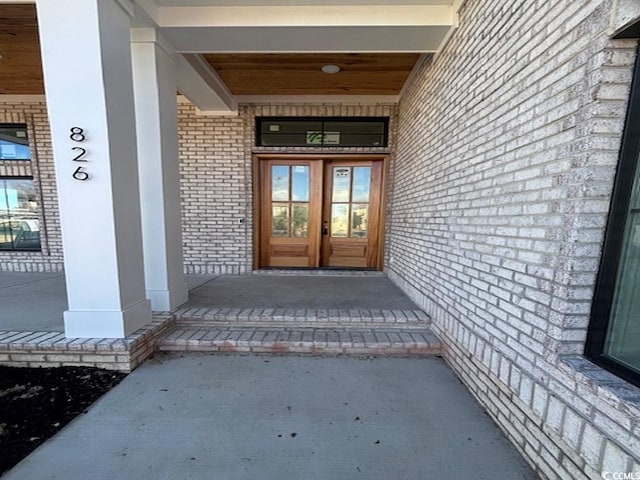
<point>21,126</point>
<point>605,287</point>
<point>259,121</point>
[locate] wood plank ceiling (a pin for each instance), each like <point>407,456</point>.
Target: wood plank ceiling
<point>20,65</point>
<point>300,74</point>
<point>244,74</point>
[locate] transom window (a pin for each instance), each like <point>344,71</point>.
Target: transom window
<point>322,131</point>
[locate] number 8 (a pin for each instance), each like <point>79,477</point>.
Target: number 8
<point>77,134</point>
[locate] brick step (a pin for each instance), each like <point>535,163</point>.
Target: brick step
<point>351,341</point>
<point>309,317</point>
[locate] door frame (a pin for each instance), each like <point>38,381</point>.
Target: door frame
<point>256,192</point>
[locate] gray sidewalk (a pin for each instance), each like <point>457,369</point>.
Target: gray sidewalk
<point>242,417</point>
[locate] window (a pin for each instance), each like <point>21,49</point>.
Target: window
<point>19,223</point>
<point>614,334</point>
<point>14,142</point>
<point>322,131</point>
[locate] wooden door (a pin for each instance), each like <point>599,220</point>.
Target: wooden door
<point>291,209</point>
<point>352,214</point>
<point>319,212</point>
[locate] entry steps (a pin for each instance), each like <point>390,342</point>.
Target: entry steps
<point>355,331</point>
<point>303,339</point>
<point>314,317</point>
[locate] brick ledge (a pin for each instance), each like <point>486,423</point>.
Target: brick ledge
<point>53,349</point>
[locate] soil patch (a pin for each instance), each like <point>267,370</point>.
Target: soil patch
<point>37,402</point>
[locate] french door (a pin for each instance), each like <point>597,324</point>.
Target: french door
<point>316,212</point>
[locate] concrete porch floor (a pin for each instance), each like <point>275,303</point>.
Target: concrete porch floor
<point>190,415</point>
<point>238,417</point>
<point>35,301</point>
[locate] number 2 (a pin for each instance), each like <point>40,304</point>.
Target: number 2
<point>78,158</point>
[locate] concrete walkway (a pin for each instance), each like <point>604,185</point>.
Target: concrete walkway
<point>244,417</point>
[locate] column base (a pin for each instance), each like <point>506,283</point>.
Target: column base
<point>168,300</point>
<point>106,324</point>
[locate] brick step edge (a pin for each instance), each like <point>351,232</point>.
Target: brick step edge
<point>315,317</point>
<point>296,323</point>
<point>351,341</point>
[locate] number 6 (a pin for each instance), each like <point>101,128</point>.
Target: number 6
<point>80,175</point>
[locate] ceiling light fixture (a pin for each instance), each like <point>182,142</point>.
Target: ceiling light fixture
<point>330,68</point>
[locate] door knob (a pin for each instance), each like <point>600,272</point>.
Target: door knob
<point>325,228</point>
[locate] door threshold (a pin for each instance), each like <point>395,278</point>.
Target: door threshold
<point>325,271</point>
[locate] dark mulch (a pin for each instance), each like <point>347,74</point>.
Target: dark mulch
<point>37,402</point>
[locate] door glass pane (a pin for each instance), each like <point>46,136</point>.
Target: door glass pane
<point>280,220</point>
<point>340,220</point>
<point>280,183</point>
<point>341,184</point>
<point>361,184</point>
<point>300,226</point>
<point>300,183</point>
<point>359,220</point>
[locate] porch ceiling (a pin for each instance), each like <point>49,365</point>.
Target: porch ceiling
<point>20,65</point>
<point>300,74</point>
<point>246,50</point>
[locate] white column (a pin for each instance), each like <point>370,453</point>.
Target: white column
<point>154,85</point>
<point>86,55</point>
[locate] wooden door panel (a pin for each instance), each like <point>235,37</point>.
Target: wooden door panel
<point>290,211</point>
<point>351,214</point>
<point>291,219</point>
<point>347,255</point>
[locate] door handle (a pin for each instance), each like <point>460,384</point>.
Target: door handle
<point>325,228</point>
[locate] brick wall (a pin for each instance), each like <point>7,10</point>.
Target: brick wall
<point>216,178</point>
<point>216,181</point>
<point>506,153</point>
<point>34,114</point>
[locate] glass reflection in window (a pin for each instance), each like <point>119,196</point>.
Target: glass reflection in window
<point>14,142</point>
<point>359,220</point>
<point>300,220</point>
<point>361,184</point>
<point>340,220</point>
<point>341,184</point>
<point>19,222</point>
<point>300,183</point>
<point>280,220</point>
<point>280,183</point>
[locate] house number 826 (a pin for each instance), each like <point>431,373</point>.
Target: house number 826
<point>77,135</point>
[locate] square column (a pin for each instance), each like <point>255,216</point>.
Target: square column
<point>154,86</point>
<point>86,57</point>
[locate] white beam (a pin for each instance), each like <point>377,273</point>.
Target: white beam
<point>306,16</point>
<point>306,39</point>
<point>203,87</point>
